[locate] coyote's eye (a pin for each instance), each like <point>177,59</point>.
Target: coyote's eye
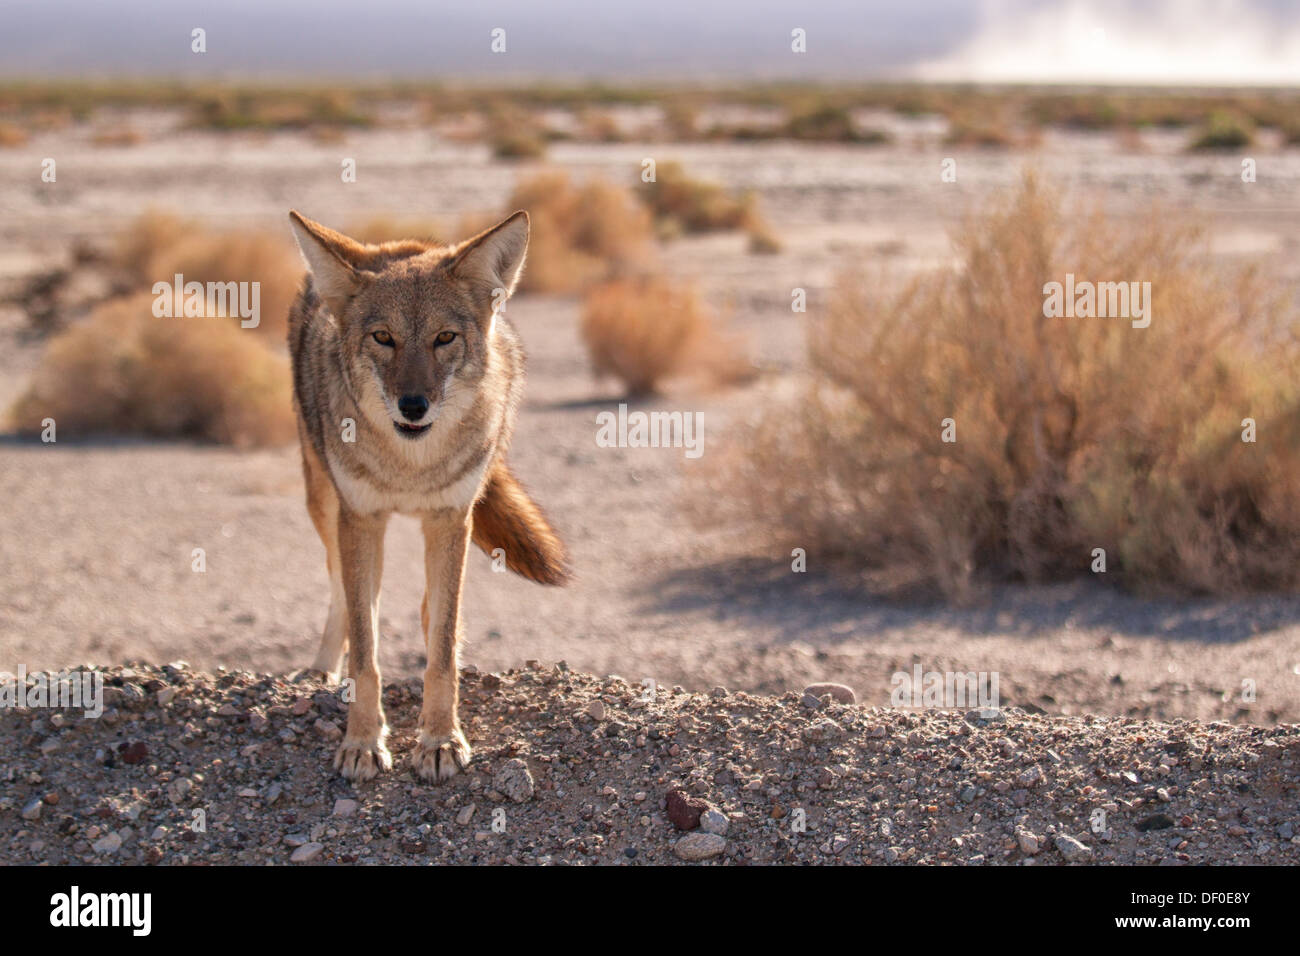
<point>443,338</point>
<point>382,337</point>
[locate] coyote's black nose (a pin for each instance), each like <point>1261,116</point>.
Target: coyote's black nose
<point>413,407</point>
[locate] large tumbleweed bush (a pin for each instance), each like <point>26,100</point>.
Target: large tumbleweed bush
<point>1072,434</point>
<point>122,371</point>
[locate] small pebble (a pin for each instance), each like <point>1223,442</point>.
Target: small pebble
<point>1072,849</point>
<point>307,852</point>
<point>110,843</point>
<point>841,693</point>
<point>714,821</point>
<point>514,780</point>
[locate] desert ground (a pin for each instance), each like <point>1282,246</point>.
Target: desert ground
<point>96,537</point>
<point>1172,715</point>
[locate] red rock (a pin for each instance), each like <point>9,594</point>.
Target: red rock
<point>134,752</point>
<point>684,810</point>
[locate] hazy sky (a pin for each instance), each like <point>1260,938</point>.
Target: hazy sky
<point>1157,41</point>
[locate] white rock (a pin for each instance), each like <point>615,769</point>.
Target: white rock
<point>713,821</point>
<point>1029,844</point>
<point>514,780</point>
<point>179,788</point>
<point>107,844</point>
<point>1072,849</point>
<point>32,811</point>
<point>307,852</point>
<point>699,846</point>
<point>345,808</point>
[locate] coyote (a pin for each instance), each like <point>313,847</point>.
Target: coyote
<point>407,378</point>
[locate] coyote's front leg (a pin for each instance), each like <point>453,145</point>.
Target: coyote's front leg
<point>442,749</point>
<point>362,754</point>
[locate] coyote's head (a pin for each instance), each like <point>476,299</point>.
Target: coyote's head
<point>415,319</point>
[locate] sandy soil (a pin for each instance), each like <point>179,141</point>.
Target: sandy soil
<point>95,539</point>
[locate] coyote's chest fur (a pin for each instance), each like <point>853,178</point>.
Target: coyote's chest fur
<point>444,469</point>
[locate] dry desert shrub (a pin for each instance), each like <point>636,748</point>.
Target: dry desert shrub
<point>123,371</point>
<point>117,137</point>
<point>1077,111</point>
<point>981,131</point>
<point>513,131</point>
<point>1224,129</point>
<point>579,234</point>
<point>763,239</point>
<point>11,135</point>
<point>229,109</point>
<point>1071,434</point>
<point>645,330</point>
<point>159,246</point>
<point>683,204</point>
<point>518,144</point>
<point>600,126</point>
<point>830,124</point>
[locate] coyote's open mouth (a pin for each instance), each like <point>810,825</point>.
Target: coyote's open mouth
<point>411,431</point>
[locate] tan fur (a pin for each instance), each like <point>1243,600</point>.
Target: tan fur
<point>407,381</point>
<point>506,518</point>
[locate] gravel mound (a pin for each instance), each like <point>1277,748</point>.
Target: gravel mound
<point>234,767</point>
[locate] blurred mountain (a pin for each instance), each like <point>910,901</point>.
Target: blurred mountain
<point>1248,41</point>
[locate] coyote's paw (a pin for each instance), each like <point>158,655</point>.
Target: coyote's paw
<point>438,758</point>
<point>362,759</point>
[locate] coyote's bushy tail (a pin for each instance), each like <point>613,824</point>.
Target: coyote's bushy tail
<point>506,518</point>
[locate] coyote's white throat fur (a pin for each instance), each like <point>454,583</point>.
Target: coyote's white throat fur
<point>407,380</point>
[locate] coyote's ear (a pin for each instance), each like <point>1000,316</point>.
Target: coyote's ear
<point>329,256</point>
<point>495,257</point>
